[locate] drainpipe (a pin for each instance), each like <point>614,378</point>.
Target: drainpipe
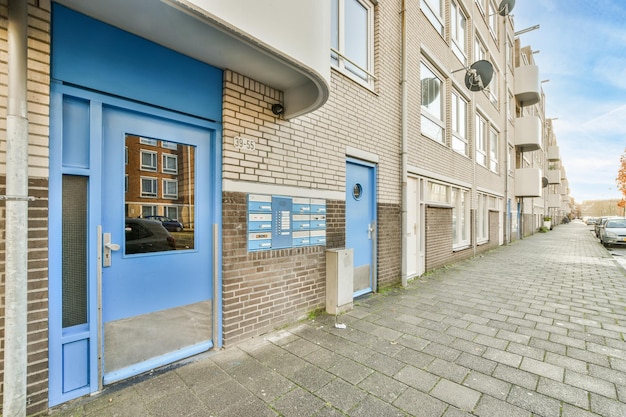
<point>404,140</point>
<point>15,348</point>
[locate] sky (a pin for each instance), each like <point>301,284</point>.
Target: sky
<point>582,51</point>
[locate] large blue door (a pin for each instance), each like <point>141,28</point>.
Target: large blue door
<point>361,223</point>
<point>157,271</point>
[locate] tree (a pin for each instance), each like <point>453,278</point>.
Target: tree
<point>621,180</point>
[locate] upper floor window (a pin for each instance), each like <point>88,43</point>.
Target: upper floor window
<point>147,141</point>
<point>480,52</point>
<point>352,39</point>
<point>493,88</point>
<point>459,123</point>
<point>170,163</point>
<point>493,150</point>
<point>148,161</point>
<point>480,141</point>
<point>458,31</point>
<point>493,18</point>
<point>434,11</point>
<point>432,104</point>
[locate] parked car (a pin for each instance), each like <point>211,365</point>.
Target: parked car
<point>613,232</point>
<point>170,224</point>
<point>145,235</point>
<point>590,221</point>
<point>600,223</point>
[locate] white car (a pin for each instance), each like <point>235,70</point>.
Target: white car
<point>613,232</point>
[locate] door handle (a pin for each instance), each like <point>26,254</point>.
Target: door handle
<point>108,248</point>
<point>370,229</point>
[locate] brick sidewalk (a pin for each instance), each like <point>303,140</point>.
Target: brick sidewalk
<point>533,328</point>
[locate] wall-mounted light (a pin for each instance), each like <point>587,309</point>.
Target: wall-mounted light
<point>278,109</point>
<point>520,32</point>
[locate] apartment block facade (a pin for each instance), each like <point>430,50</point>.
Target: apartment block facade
<point>274,137</point>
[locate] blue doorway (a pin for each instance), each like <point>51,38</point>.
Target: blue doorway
<point>361,223</point>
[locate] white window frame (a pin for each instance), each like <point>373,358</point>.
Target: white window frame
<point>438,193</point>
<point>169,193</point>
<point>493,18</point>
<point>152,190</point>
<point>433,124</point>
<point>148,211</point>
<point>152,163</point>
<point>480,51</point>
<point>362,72</point>
<point>147,141</point>
<point>435,12</point>
<point>169,145</point>
<point>493,88</point>
<point>480,139</point>
<point>458,31</point>
<point>482,219</point>
<point>171,212</point>
<point>460,218</point>
<point>167,160</point>
<point>494,149</point>
<point>459,112</point>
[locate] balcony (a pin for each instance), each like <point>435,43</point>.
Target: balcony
<point>528,182</point>
<point>528,133</point>
<point>527,85</point>
<point>554,176</point>
<point>554,200</point>
<point>285,46</point>
<point>553,153</point>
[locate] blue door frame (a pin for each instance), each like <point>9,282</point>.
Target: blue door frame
<point>95,65</point>
<point>361,229</point>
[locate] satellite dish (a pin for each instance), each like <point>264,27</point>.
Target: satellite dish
<point>430,90</point>
<point>544,182</point>
<point>505,7</point>
<point>479,75</point>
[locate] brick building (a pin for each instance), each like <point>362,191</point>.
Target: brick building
<point>362,128</point>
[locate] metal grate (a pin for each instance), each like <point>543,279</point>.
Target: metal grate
<point>74,247</point>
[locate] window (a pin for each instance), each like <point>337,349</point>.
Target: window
<point>460,218</point>
<point>352,29</point>
<point>480,52</point>
<point>438,193</point>
<point>482,5</point>
<point>493,18</point>
<point>433,9</point>
<point>170,189</point>
<point>148,161</point>
<point>171,212</point>
<point>458,31</point>
<point>148,187</point>
<point>493,88</point>
<point>146,141</point>
<point>480,141</point>
<point>170,163</point>
<point>148,211</point>
<point>169,145</point>
<point>459,124</point>
<point>493,150</point>
<point>432,104</point>
<point>482,219</point>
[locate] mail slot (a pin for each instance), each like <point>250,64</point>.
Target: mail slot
<point>259,222</point>
<point>258,241</point>
<point>301,238</point>
<point>301,222</point>
<point>301,205</point>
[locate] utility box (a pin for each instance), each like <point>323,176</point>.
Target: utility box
<point>339,280</point>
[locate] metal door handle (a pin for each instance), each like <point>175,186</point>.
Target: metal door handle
<point>108,248</point>
<point>370,229</point>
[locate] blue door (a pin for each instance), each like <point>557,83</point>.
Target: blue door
<point>361,223</point>
<point>157,244</point>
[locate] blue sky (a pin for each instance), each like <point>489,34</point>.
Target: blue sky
<point>582,51</point>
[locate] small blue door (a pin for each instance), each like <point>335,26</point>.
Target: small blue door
<point>361,223</point>
<point>157,244</point>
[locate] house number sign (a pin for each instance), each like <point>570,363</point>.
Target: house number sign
<point>244,144</point>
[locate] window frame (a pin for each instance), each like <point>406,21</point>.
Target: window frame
<point>459,137</point>
<point>154,166</point>
<point>149,193</point>
<point>166,183</point>
<point>482,219</point>
<point>339,56</point>
<point>434,16</point>
<point>480,139</point>
<point>494,149</point>
<point>459,46</point>
<point>460,229</point>
<point>429,118</point>
<point>165,168</point>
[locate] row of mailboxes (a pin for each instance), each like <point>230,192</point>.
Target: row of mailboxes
<point>277,222</point>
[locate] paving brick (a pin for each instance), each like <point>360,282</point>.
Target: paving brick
<point>534,402</point>
<point>516,376</point>
<point>419,404</point>
<point>458,395</point>
<point>488,385</point>
<point>590,383</point>
<point>489,406</point>
<point>543,369</point>
<point>476,363</point>
<point>503,357</point>
<point>417,378</point>
<point>607,407</point>
<point>448,370</point>
<point>564,392</point>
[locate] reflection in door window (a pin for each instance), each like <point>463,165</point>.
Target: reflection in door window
<point>159,207</point>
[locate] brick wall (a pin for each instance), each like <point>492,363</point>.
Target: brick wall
<point>438,223</point>
<point>38,132</point>
<point>266,289</point>
<point>389,244</point>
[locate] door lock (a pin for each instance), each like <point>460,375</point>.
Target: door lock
<point>108,248</point>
